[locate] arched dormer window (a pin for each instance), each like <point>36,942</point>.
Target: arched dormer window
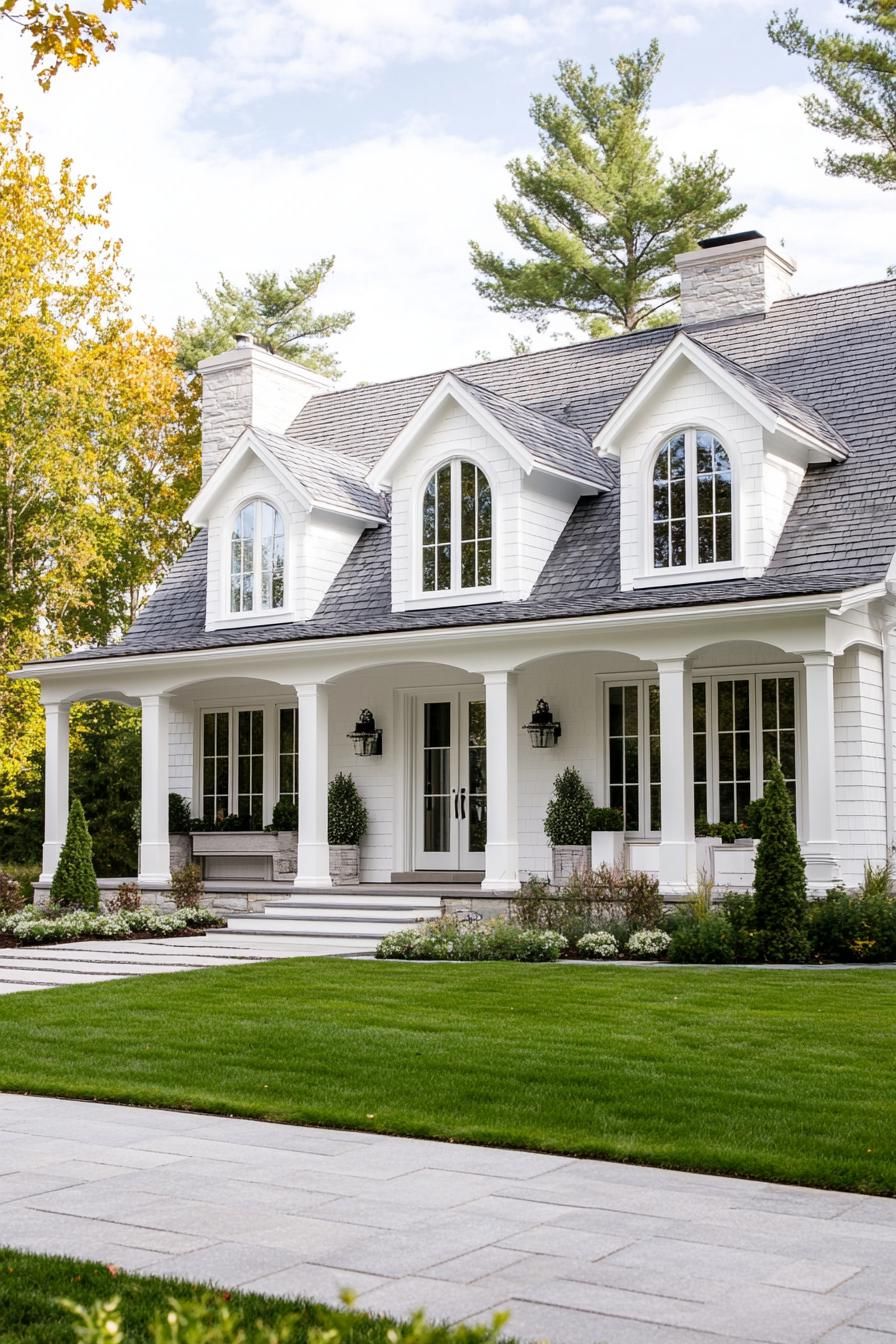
<point>457,534</point>
<point>692,502</point>
<point>257,559</point>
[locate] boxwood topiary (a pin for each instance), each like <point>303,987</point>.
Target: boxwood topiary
<point>567,820</point>
<point>346,813</point>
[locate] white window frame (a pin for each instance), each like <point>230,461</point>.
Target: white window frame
<point>754,675</point>
<point>643,682</point>
<point>258,615</point>
<point>275,746</point>
<point>455,595</point>
<point>232,711</point>
<point>692,569</point>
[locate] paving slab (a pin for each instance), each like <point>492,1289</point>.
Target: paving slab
<point>579,1252</point>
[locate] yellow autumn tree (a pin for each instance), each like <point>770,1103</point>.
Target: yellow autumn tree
<point>62,34</point>
<point>98,437</point>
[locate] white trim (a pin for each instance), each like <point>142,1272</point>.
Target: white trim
<point>606,441</point>
<point>257,615</point>
<point>692,571</point>
<point>199,511</point>
<point>382,472</point>
<point>455,595</point>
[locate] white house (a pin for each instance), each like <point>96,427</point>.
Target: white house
<point>681,539</point>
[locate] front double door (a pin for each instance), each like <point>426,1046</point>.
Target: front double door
<point>451,785</point>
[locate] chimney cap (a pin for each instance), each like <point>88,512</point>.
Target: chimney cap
<point>245,337</point>
<point>724,239</point>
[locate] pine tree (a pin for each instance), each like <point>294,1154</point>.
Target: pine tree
<point>779,885</point>
<point>74,885</point>
<point>600,217</point>
<point>858,70</point>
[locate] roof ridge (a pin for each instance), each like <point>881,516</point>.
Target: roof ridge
<point>524,406</point>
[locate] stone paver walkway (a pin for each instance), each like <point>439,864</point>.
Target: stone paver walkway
<point>86,962</point>
<point>578,1251</point>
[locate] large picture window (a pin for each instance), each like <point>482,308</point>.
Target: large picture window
<point>257,559</point>
<point>456,530</point>
<point>739,721</point>
<point>691,502</point>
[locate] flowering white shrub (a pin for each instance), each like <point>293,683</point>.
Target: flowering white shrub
<point>41,926</point>
<point>648,943</point>
<point>602,946</point>
<point>492,940</point>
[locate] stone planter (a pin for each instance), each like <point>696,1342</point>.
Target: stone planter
<point>345,865</point>
<point>235,856</point>
<point>607,849</point>
<point>569,859</point>
<point>733,866</point>
<point>181,850</point>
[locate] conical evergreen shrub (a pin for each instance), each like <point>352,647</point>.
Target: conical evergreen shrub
<point>779,886</point>
<point>74,884</point>
<point>347,815</point>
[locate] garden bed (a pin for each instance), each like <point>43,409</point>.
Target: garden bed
<point>32,927</point>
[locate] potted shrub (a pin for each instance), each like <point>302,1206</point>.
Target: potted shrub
<point>607,840</point>
<point>179,844</point>
<point>567,825</point>
<point>346,825</point>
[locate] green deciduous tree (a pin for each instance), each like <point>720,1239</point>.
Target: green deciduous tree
<point>74,885</point>
<point>857,70</point>
<point>779,885</point>
<point>277,314</point>
<point>61,34</point>
<point>600,216</point>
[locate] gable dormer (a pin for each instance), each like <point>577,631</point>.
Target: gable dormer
<point>482,488</point>
<point>282,519</point>
<point>711,458</point>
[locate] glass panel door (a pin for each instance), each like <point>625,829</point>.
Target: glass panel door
<point>250,766</point>
<point>733,745</point>
<point>215,765</point>
<point>624,752</point>
<point>437,833</point>
<point>473,785</point>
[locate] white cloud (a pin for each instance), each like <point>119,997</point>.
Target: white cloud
<point>397,208</point>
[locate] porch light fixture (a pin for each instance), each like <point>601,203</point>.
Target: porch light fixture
<point>367,739</point>
<point>543,731</point>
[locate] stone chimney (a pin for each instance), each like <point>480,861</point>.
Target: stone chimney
<point>248,386</point>
<point>732,275</point>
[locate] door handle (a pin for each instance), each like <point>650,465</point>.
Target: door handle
<point>454,791</point>
<point>463,804</point>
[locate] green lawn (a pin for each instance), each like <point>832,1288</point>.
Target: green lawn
<point>783,1075</point>
<point>32,1286</point>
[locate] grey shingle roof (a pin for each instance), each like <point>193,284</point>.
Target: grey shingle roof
<point>788,407</point>
<point>832,353</point>
<point>552,443</point>
<point>329,478</point>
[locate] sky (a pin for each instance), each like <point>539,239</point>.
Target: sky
<point>238,135</point>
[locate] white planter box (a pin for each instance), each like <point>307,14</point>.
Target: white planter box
<point>345,865</point>
<point>607,849</point>
<point>235,842</point>
<point>733,866</point>
<point>644,857</point>
<point>706,847</point>
<point>569,859</point>
<point>246,855</point>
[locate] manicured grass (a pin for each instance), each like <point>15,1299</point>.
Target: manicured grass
<point>782,1075</point>
<point>31,1287</point>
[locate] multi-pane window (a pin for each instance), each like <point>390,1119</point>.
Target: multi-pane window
<point>691,502</point>
<point>232,766</point>
<point>215,765</point>
<point>477,776</point>
<point>457,534</point>
<point>623,723</point>
<point>257,559</point>
<point>739,723</point>
<point>288,755</point>
<point>250,765</point>
<point>653,753</point>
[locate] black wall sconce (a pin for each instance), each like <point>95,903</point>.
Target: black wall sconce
<point>367,739</point>
<point>543,731</point>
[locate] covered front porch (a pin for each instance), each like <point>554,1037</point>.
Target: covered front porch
<point>670,721</point>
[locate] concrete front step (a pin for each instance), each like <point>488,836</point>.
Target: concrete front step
<point>332,900</point>
<point>328,931</point>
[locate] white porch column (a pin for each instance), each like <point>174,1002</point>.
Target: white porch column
<point>313,861</point>
<point>55,786</point>
<point>502,766</point>
<point>678,848</point>
<point>154,863</point>
<point>819,841</point>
